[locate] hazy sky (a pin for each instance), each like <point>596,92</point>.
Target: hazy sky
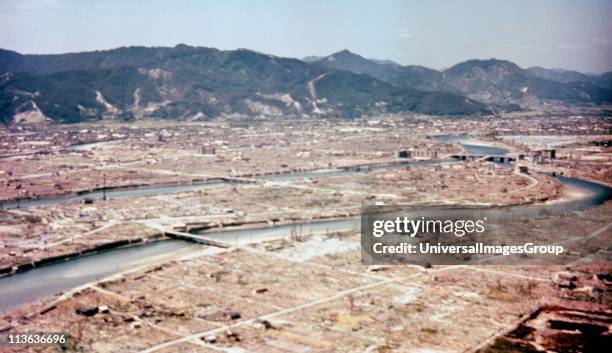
<point>569,34</point>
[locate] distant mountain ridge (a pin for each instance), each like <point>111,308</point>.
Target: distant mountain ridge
<point>561,75</point>
<point>187,82</point>
<point>412,76</point>
<point>195,83</point>
<point>490,81</point>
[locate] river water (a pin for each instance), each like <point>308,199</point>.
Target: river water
<point>161,190</point>
<point>26,287</point>
<point>471,145</point>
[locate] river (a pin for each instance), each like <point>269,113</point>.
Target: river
<point>161,190</point>
<point>26,287</point>
<point>471,145</point>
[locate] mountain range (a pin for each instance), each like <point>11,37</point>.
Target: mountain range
<point>489,81</point>
<point>186,82</point>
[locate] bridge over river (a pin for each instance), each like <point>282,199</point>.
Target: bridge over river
<point>503,158</point>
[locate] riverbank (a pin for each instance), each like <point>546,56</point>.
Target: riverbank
<point>309,286</point>
<point>235,234</point>
<point>291,277</point>
<point>300,196</point>
<point>232,222</point>
<point>95,250</point>
<point>143,189</point>
<point>570,193</point>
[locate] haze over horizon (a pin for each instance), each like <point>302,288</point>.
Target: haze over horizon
<point>549,33</point>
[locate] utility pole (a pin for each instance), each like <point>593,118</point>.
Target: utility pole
<point>104,187</point>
